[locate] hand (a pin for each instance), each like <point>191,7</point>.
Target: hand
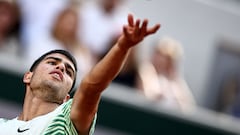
<point>133,33</point>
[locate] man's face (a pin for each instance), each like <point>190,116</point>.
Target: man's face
<point>53,78</point>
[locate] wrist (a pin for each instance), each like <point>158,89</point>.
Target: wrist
<point>123,44</point>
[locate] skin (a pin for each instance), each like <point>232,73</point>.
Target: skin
<point>41,83</point>
<point>164,64</point>
<point>45,90</point>
<point>65,27</point>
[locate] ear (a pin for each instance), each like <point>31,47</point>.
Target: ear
<point>66,98</point>
<point>27,77</point>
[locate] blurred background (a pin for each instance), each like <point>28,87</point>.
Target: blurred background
<point>193,86</point>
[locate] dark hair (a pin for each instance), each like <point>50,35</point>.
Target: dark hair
<point>63,52</point>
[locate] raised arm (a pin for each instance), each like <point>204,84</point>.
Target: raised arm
<point>86,98</point>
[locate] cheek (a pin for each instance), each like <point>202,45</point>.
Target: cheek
<point>69,83</point>
<point>43,69</point>
<point>40,73</point>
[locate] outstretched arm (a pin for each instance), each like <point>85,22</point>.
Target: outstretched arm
<point>86,98</point>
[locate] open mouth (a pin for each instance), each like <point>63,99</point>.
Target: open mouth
<point>57,75</point>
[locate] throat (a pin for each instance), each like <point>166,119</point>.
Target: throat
<point>31,111</point>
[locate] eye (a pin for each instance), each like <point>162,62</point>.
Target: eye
<point>51,62</point>
<point>69,73</point>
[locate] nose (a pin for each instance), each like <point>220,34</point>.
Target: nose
<point>61,66</point>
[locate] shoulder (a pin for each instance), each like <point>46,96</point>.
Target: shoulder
<point>63,121</point>
<point>67,105</point>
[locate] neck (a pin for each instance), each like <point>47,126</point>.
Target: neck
<point>34,107</point>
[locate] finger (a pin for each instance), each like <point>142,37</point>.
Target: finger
<point>125,31</point>
<point>153,29</point>
<point>136,27</point>
<point>137,24</point>
<point>130,20</point>
<point>143,28</point>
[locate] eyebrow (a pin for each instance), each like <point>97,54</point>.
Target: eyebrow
<point>59,59</point>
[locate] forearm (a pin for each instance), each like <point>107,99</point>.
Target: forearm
<point>107,69</point>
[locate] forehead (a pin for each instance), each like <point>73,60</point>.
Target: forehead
<point>61,57</point>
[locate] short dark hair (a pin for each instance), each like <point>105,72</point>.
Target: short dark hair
<point>63,52</point>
